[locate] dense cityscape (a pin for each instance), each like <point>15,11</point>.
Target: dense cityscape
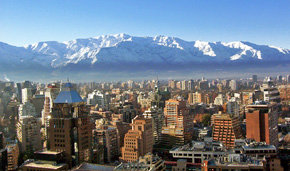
<point>204,124</point>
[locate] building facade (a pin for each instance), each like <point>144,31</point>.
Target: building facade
<point>139,140</point>
<point>178,123</point>
<point>262,123</point>
<point>28,133</point>
<point>226,129</point>
<point>70,129</point>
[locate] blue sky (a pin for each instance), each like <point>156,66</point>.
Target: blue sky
<point>258,21</point>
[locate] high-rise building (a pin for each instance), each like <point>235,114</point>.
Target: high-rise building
<point>262,123</point>
<point>128,111</point>
<point>203,85</point>
<point>3,153</point>
<point>288,78</point>
<point>190,86</point>
<point>233,85</point>
<point>70,129</point>
<point>220,87</point>
<point>279,78</point>
<point>184,85</point>
<point>122,128</point>
<point>50,93</point>
<point>28,133</point>
<point>226,129</point>
<point>255,78</point>
<point>220,99</point>
<point>1,140</point>
<point>159,97</point>
<point>178,123</point>
<point>233,106</point>
<point>195,97</point>
<point>172,84</point>
<point>26,109</point>
<point>106,137</point>
<point>247,97</point>
<point>157,120</point>
<point>226,83</point>
<point>26,94</point>
<point>271,93</point>
<point>96,98</point>
<point>12,156</point>
<point>139,140</point>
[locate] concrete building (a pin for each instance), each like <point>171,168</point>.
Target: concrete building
<point>12,156</point>
<point>27,109</point>
<point>194,98</point>
<point>262,123</point>
<point>220,100</point>
<point>122,129</point>
<point>38,101</point>
<point>172,84</point>
<point>259,150</point>
<point>197,151</point>
<point>226,129</point>
<point>271,93</point>
<point>184,85</point>
<point>233,107</point>
<point>139,140</point>
<point>157,122</point>
<point>106,137</point>
<point>46,161</point>
<point>284,91</point>
<point>96,98</point>
<point>233,162</point>
<point>233,85</point>
<point>190,85</point>
<point>26,94</point>
<point>178,123</point>
<point>149,162</point>
<point>70,129</point>
<point>248,97</point>
<point>128,111</point>
<point>254,78</point>
<point>28,133</point>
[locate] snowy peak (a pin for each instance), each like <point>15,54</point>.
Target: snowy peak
<point>118,48</point>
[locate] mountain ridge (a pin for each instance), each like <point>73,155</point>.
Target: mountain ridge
<point>124,48</point>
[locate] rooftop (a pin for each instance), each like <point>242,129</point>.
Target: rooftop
<point>44,164</point>
<point>68,95</point>
<point>200,146</point>
<point>48,152</point>
<point>89,166</point>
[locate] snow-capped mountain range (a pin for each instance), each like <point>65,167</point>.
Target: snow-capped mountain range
<point>123,48</point>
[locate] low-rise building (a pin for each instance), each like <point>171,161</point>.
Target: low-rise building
<point>149,162</point>
<point>197,151</point>
<point>45,161</point>
<point>233,162</point>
